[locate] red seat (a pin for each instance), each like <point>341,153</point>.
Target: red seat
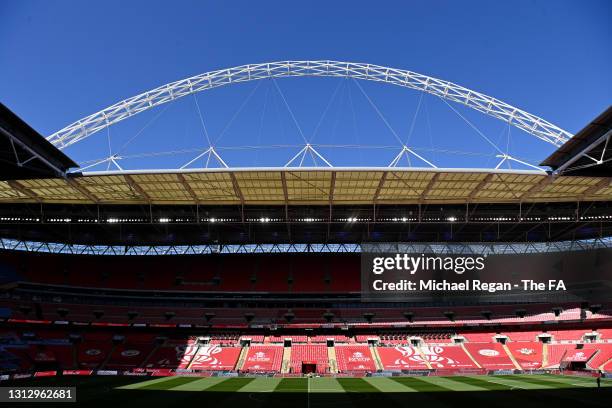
<point>263,359</point>
<point>354,358</point>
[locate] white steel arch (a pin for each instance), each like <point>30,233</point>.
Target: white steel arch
<point>126,108</point>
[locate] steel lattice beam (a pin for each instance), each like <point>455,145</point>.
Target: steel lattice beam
<point>436,248</point>
<point>124,109</point>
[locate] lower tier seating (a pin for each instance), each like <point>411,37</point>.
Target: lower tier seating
<point>491,356</point>
<point>96,349</point>
<point>309,354</point>
<point>261,358</point>
<point>214,357</point>
<point>354,358</point>
<point>408,357</point>
<point>528,354</point>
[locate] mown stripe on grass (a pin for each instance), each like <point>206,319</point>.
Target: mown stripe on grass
<point>230,385</point>
<point>199,385</point>
<point>356,385</point>
<point>588,382</point>
<point>143,383</point>
<point>385,384</point>
<point>546,382</point>
<point>323,384</point>
<point>292,385</point>
<point>448,383</point>
<point>170,383</point>
<point>482,383</point>
<point>261,384</point>
<point>528,380</point>
<point>551,390</point>
<point>513,383</point>
<point>419,385</point>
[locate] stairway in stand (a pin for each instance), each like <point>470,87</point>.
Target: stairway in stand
<point>286,360</point>
<point>333,362</point>
<point>242,357</point>
<point>377,361</point>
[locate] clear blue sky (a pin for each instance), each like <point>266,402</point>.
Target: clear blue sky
<point>62,60</point>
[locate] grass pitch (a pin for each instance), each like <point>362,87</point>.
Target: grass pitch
<point>516,391</point>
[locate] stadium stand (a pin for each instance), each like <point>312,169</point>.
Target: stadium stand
<point>213,357</point>
<point>606,334</point>
<point>491,356</point>
<point>263,358</point>
<point>408,357</point>
<point>105,349</point>
<point>578,355</point>
<point>128,356</point>
<point>94,350</point>
<point>352,358</point>
<point>278,273</point>
<point>169,356</point>
<point>528,354</point>
<point>293,339</point>
<point>556,353</point>
<point>522,335</point>
<point>567,334</point>
<point>401,357</point>
<point>479,337</point>
<point>178,293</point>
<point>253,338</point>
<point>309,358</point>
<point>603,353</point>
<point>360,338</point>
<point>447,357</point>
<point>334,338</point>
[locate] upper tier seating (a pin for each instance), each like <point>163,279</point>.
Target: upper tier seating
<point>567,334</point>
<point>324,338</point>
<point>225,339</point>
<point>173,315</point>
<point>253,338</point>
<point>294,339</point>
<point>241,273</point>
<point>363,338</point>
<point>522,335</point>
<point>479,337</point>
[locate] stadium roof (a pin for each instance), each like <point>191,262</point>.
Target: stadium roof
<point>589,152</point>
<point>25,153</point>
<point>308,186</point>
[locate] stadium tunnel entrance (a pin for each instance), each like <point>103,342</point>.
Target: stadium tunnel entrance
<point>309,367</point>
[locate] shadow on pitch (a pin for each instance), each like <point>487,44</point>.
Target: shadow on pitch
<point>103,392</point>
<point>583,397</point>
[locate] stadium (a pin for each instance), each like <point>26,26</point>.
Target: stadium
<point>224,285</point>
